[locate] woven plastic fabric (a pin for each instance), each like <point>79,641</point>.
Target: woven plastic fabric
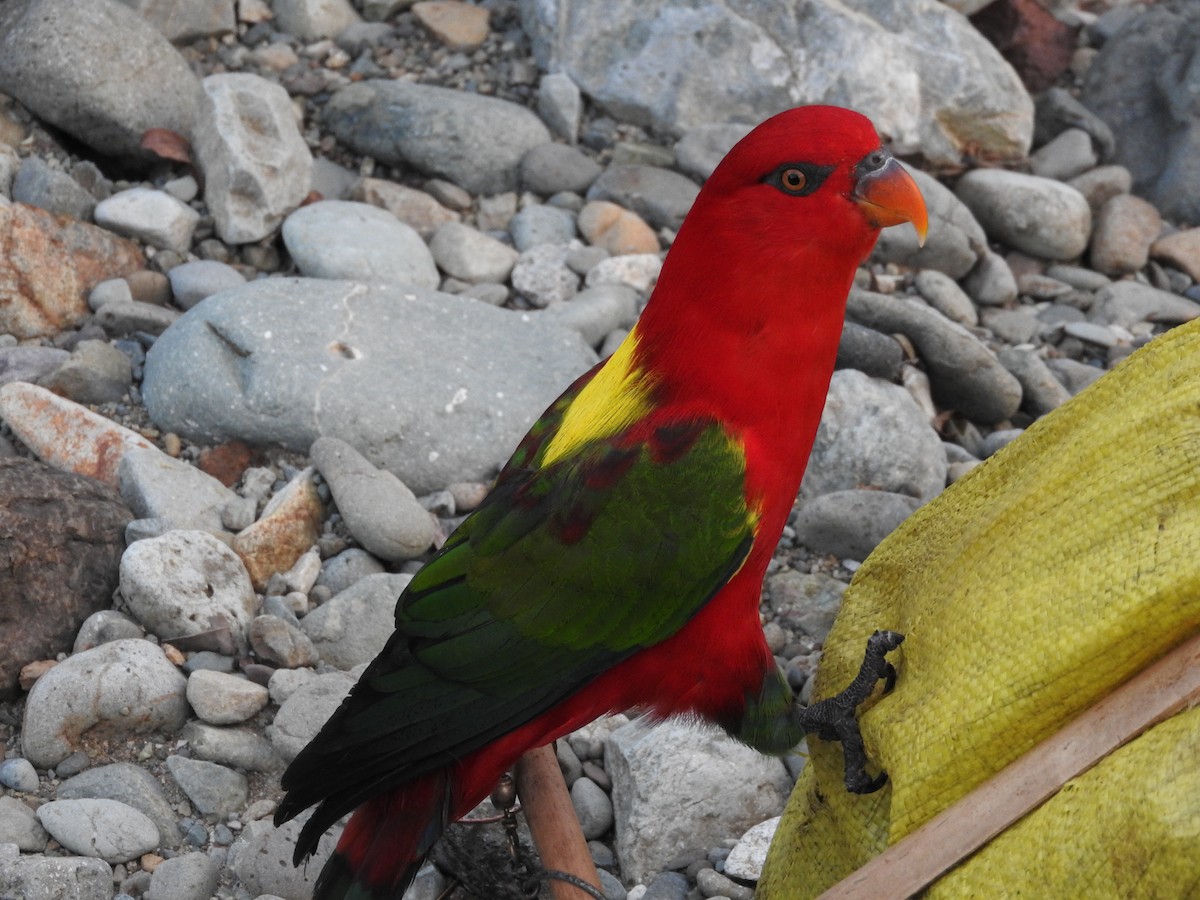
<point>1027,591</point>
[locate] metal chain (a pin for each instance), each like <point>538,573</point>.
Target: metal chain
<point>529,876</point>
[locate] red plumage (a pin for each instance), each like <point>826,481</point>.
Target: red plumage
<point>723,384</point>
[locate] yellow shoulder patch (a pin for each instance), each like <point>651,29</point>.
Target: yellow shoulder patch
<point>615,398</point>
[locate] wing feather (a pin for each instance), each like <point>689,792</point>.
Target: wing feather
<point>557,577</point>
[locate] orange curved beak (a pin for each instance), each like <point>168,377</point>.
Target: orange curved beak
<point>888,196</point>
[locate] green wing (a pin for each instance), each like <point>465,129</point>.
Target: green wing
<point>561,573</point>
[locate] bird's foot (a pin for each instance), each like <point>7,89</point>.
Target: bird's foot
<point>835,720</point>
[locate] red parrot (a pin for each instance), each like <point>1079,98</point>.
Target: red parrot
<point>618,562</point>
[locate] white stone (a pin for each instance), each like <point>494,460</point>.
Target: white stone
<point>257,167</point>
<point>151,216</point>
<point>352,627</point>
<point>106,829</point>
<point>312,20</point>
<point>186,583</point>
<point>471,255</point>
<point>745,860</point>
<point>122,687</point>
<point>223,699</point>
<point>638,270</point>
<point>677,786</point>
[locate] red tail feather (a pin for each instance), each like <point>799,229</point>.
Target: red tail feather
<point>386,841</point>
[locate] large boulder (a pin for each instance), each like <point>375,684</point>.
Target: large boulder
<point>674,64</point>
<point>432,387</point>
<point>97,70</point>
<point>1145,83</point>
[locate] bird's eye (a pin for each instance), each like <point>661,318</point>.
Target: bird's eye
<point>797,179</point>
<point>793,180</point>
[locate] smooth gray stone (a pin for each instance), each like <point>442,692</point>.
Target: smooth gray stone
<point>192,876</point>
<point>878,355</point>
<point>660,196</point>
<point>955,241</point>
<point>474,141</point>
<point>40,184</point>
<point>381,512</point>
<point>1039,216</point>
<point>131,785</point>
<point>97,70</point>
<point>109,829</point>
<point>873,433</point>
<point>343,239</point>
<point>849,524</point>
<point>432,387</point>
<point>964,374</point>
<point>213,789</point>
<point>1042,391</point>
<point>548,169</point>
<point>192,281</point>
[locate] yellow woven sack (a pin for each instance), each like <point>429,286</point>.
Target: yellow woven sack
<point>1027,591</point>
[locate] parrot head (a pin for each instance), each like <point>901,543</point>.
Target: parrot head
<point>809,184</point>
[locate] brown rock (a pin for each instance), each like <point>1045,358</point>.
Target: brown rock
<point>61,539</point>
<point>1125,228</point>
<point>49,264</point>
<point>460,26</point>
<point>617,230</point>
<point>147,286</point>
<point>1181,250</point>
<point>288,526</point>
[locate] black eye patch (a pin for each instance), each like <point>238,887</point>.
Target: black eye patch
<point>797,179</point>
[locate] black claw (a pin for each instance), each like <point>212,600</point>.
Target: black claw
<point>834,719</point>
<point>889,678</point>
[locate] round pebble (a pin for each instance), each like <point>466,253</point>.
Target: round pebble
<point>18,774</point>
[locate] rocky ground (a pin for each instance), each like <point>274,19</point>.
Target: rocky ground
<point>283,284</point>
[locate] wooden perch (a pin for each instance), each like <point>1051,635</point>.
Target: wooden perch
<point>1162,689</point>
<point>553,823</point>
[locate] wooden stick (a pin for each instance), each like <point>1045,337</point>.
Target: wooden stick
<point>1156,693</point>
<point>553,823</point>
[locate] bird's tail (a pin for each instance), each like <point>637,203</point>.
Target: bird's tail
<point>386,842</point>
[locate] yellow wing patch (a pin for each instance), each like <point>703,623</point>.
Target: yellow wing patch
<point>615,398</point>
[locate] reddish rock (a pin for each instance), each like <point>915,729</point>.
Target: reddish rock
<point>65,434</point>
<point>61,539</point>
<point>226,462</point>
<point>1035,43</point>
<point>49,264</point>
